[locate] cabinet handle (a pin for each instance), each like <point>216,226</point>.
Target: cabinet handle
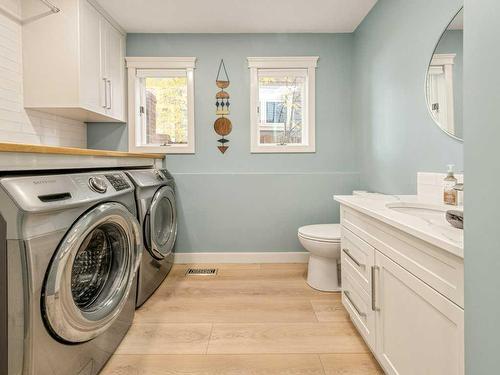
<point>105,104</point>
<point>347,252</point>
<point>110,94</point>
<point>358,311</point>
<point>374,300</point>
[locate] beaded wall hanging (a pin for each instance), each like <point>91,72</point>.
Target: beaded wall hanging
<point>222,125</point>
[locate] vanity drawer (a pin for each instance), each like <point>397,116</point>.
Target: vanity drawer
<point>358,304</point>
<point>357,257</point>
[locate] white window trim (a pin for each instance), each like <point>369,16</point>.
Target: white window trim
<point>173,63</point>
<point>290,62</point>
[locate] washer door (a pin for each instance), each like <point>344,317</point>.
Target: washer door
<point>160,226</point>
<point>91,273</point>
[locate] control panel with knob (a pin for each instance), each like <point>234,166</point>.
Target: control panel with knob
<point>98,184</point>
<point>118,181</point>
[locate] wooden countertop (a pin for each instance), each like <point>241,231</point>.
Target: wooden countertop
<point>40,149</point>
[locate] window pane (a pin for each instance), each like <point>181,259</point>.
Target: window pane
<point>282,104</point>
<point>165,117</point>
<point>275,112</point>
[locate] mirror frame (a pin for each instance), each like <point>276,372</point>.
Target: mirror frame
<point>426,77</point>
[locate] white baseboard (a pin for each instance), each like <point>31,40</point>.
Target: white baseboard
<point>268,257</point>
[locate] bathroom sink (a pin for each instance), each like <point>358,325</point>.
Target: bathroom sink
<point>432,213</point>
<point>421,210</point>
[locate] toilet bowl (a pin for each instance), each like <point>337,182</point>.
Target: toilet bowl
<point>323,243</point>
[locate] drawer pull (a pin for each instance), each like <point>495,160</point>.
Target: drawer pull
<point>374,303</point>
<point>346,251</point>
<point>105,104</point>
<point>358,311</point>
<point>110,93</point>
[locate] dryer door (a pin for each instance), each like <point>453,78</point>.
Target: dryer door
<point>91,273</point>
<point>161,223</point>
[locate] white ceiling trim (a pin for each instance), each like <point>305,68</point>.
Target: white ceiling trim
<point>106,15</point>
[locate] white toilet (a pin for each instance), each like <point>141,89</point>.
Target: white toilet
<point>323,242</point>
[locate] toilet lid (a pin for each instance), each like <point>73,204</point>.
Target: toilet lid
<point>322,232</point>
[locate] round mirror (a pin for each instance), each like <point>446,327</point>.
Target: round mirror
<point>444,79</point>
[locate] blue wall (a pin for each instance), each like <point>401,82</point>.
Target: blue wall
<point>254,202</point>
<point>392,49</point>
<point>371,118</point>
<point>482,140</point>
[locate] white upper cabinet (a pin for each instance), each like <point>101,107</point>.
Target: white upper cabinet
<point>74,64</point>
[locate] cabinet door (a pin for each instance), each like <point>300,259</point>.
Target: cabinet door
<point>91,75</point>
<point>116,73</point>
<point>418,331</point>
<point>104,62</point>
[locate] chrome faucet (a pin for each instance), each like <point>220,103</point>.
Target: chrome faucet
<point>456,217</point>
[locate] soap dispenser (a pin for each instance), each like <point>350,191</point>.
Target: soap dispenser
<point>449,193</point>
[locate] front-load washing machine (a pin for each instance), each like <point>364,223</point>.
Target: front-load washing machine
<point>156,208</point>
<point>73,249</point>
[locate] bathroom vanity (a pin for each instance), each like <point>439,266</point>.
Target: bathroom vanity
<point>403,282</point>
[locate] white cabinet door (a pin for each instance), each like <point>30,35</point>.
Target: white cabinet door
<point>102,64</point>
<point>91,82</point>
<point>418,331</point>
<point>116,74</point>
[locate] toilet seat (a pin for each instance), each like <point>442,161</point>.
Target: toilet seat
<point>321,232</point>
<point>319,240</point>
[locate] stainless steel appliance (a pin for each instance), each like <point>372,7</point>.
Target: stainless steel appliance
<point>157,213</point>
<point>74,246</point>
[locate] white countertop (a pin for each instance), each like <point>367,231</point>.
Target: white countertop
<point>442,235</point>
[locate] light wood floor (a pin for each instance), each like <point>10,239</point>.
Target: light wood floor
<point>255,319</point>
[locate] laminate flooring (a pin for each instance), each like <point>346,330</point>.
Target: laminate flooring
<point>249,319</point>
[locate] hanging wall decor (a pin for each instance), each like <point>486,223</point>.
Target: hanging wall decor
<point>222,125</point>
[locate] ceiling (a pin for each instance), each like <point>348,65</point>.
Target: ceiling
<point>238,16</point>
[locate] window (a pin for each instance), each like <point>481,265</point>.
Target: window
<point>161,104</point>
<point>282,104</point>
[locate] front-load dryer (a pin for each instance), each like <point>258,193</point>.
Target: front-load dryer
<point>157,214</point>
<point>73,249</point>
